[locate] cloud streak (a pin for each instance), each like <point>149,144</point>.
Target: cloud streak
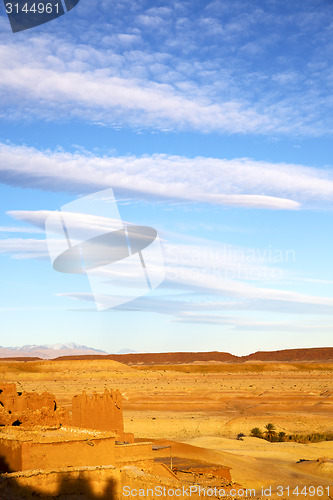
<point>96,95</point>
<point>239,182</point>
<point>193,269</point>
<point>13,229</point>
<point>250,324</point>
<point>24,248</point>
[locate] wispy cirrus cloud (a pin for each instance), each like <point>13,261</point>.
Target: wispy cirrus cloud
<point>211,67</point>
<point>222,260</point>
<point>24,248</point>
<point>230,279</point>
<point>251,324</point>
<point>14,229</point>
<point>224,312</point>
<point>239,182</point>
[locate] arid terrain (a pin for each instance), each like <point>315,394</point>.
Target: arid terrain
<point>200,408</point>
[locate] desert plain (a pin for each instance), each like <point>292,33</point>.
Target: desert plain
<point>200,409</point>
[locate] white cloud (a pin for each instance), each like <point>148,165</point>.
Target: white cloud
<point>203,282</point>
<point>50,86</point>
<point>84,222</point>
<point>13,229</point>
<point>24,248</point>
<point>252,324</point>
<point>216,309</point>
<point>34,217</point>
<point>238,182</point>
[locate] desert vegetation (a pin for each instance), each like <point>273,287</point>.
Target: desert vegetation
<point>269,433</point>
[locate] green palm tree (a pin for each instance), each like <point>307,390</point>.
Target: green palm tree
<point>270,432</point>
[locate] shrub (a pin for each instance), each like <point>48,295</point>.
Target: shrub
<point>281,436</point>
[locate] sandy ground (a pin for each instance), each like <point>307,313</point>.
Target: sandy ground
<point>173,404</point>
<point>204,409</point>
<point>273,463</point>
<point>265,470</point>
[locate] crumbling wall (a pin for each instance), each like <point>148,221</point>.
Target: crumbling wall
<point>22,401</point>
<point>100,411</point>
<point>29,408</point>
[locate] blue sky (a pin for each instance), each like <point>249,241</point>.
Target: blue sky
<point>212,122</point>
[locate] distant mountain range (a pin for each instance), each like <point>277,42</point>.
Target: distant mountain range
<point>130,357</point>
<point>48,351</point>
<point>319,354</point>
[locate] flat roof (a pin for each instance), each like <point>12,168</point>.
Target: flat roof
<point>53,435</point>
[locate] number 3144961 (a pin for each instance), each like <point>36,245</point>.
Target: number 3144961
<point>311,491</point>
<point>36,8</point>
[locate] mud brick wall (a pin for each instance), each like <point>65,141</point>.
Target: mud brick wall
<point>10,456</point>
<point>92,452</point>
<point>100,411</point>
<point>20,456</point>
<point>21,401</point>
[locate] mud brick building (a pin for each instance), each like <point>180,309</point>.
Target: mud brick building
<point>103,412</point>
<point>92,435</point>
